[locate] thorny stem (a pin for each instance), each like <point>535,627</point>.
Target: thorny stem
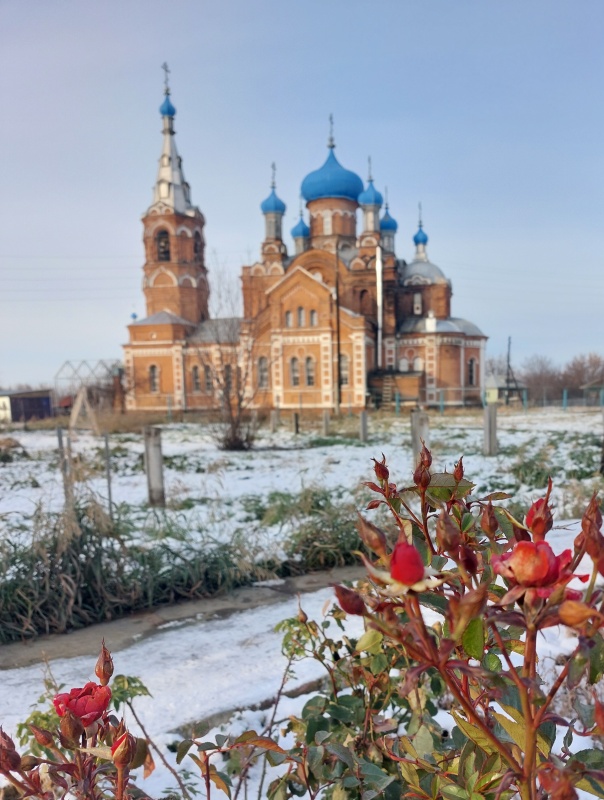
<point>592,584</point>
<point>163,759</point>
<point>476,720</point>
<point>425,522</point>
<point>530,739</point>
<point>119,794</point>
<point>554,690</point>
<point>268,729</point>
<point>22,787</point>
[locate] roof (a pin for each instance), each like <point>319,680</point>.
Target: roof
<point>331,180</point>
<point>273,204</point>
<point>449,325</point>
<point>217,331</point>
<point>388,223</point>
<point>163,318</point>
<point>371,196</point>
<point>423,271</point>
<point>167,109</point>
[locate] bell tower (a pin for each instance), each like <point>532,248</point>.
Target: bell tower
<point>175,275</point>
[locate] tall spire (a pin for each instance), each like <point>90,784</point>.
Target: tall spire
<point>171,189</point>
<point>369,175</point>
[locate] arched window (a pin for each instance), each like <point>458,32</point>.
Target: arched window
<point>263,372</point>
<point>344,370</point>
<point>288,319</point>
<point>208,379</point>
<point>195,379</point>
<point>418,364</point>
<point>197,247</point>
<point>417,304</point>
<point>472,372</point>
<point>327,223</point>
<point>294,369</point>
<point>153,378</point>
<point>309,368</point>
<point>301,317</point>
<point>314,318</point>
<point>162,242</point>
<point>403,365</point>
<point>366,304</point>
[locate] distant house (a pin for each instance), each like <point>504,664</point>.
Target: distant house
<point>497,387</point>
<point>22,406</point>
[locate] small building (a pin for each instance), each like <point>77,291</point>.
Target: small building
<point>498,388</point>
<point>22,406</point>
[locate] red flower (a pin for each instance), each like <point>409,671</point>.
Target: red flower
<point>123,750</point>
<point>539,519</point>
<point>532,564</point>
<point>88,703</point>
<point>406,565</point>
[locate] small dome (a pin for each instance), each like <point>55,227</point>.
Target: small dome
<point>371,196</point>
<point>388,223</point>
<point>272,204</point>
<point>331,180</point>
<point>420,237</point>
<point>167,109</point>
<point>300,229</point>
<point>422,271</point>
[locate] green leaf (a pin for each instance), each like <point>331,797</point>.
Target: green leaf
<point>596,659</point>
<point>454,792</point>
<point>375,777</point>
<point>423,742</point>
<point>474,638</point>
<point>578,667</point>
<point>370,642</point>
<point>496,496</point>
<point>593,759</point>
<point>516,728</point>
<point>475,734</point>
<point>342,753</point>
<point>443,487</point>
<point>435,602</point>
<point>183,749</point>
<point>492,662</point>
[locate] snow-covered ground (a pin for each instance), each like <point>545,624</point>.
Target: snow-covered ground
<point>208,667</point>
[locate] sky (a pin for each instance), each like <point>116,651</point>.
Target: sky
<point>489,113</point>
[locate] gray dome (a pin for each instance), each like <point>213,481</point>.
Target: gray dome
<point>449,325</point>
<point>422,272</point>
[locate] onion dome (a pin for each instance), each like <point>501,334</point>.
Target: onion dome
<point>331,180</point>
<point>300,229</point>
<point>420,237</point>
<point>371,196</point>
<point>272,204</point>
<point>167,109</point>
<point>388,223</point>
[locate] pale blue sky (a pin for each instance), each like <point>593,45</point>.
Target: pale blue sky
<point>489,112</point>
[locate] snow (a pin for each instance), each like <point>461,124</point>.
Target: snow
<point>208,667</point>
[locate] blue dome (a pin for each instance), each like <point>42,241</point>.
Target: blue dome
<point>300,230</point>
<point>167,109</point>
<point>371,196</point>
<point>272,204</point>
<point>331,180</point>
<point>388,223</point>
<point>420,237</point>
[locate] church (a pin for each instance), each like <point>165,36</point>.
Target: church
<point>338,321</point>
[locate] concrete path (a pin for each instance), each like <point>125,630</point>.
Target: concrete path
<point>125,632</point>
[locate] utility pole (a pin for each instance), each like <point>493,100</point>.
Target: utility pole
<point>338,342</point>
<point>508,375</point>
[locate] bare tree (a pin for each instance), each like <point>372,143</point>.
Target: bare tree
<point>542,378</point>
<point>236,364</point>
<point>582,371</point>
